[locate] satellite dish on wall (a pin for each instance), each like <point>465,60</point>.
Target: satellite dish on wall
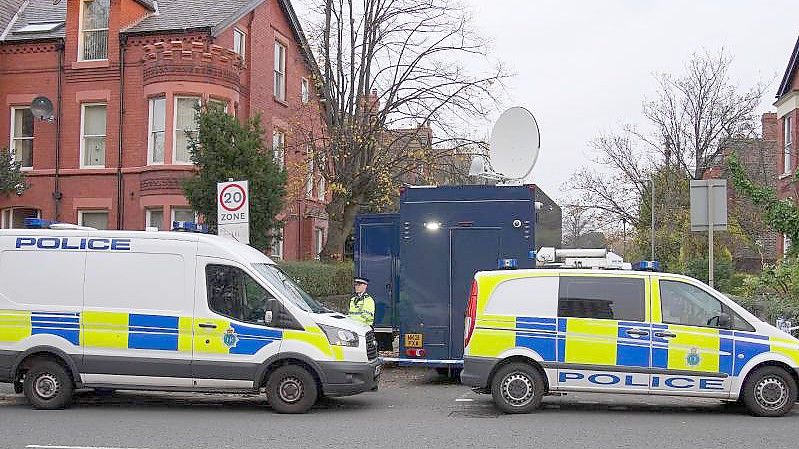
<point>515,143</point>
<point>42,108</point>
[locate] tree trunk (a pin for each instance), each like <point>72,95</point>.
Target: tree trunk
<point>340,222</point>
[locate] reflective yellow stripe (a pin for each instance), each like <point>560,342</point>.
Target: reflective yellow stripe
<point>15,325</point>
<point>316,338</point>
<point>185,334</point>
<point>705,342</point>
<point>104,329</point>
<point>210,340</point>
<point>653,305</point>
<point>788,348</point>
<point>591,341</point>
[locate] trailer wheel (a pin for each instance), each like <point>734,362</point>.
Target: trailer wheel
<point>291,389</point>
<point>517,388</point>
<point>48,386</point>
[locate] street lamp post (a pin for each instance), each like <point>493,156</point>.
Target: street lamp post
<point>652,220</point>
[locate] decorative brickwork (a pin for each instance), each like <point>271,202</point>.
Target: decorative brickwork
<point>191,61</point>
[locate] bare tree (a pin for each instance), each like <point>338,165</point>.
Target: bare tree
<point>696,112</point>
<point>387,65</point>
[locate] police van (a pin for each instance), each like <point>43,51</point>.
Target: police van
<point>545,331</point>
<point>81,308</point>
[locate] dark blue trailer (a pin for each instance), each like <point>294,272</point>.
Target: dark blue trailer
<point>444,235</point>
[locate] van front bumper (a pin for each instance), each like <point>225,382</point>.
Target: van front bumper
<point>476,371</point>
<point>348,378</point>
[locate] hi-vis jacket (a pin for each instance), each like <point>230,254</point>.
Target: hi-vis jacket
<point>618,331</point>
<point>362,309</point>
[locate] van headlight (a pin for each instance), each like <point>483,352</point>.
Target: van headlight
<point>339,337</point>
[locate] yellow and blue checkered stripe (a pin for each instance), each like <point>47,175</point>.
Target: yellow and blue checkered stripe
<point>133,331</point>
<point>607,343</point>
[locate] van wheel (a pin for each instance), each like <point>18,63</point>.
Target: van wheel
<point>48,386</point>
<point>518,388</point>
<point>291,389</point>
<point>769,391</point>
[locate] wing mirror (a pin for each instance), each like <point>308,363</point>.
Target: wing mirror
<point>725,321</point>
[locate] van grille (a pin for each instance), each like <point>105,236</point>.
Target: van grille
<point>371,346</point>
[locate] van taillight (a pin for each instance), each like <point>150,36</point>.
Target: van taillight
<point>471,315</point>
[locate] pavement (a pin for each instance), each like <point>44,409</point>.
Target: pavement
<point>413,408</point>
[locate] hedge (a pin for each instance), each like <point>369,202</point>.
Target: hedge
<point>321,279</point>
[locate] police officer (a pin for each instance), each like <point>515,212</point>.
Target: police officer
<point>362,306</point>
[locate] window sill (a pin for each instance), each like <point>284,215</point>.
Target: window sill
<point>93,64</point>
<point>785,176</point>
<point>282,102</point>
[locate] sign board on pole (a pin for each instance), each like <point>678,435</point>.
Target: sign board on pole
<point>701,201</point>
<point>233,210</point>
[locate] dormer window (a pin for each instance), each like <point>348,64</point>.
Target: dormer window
<point>93,37</point>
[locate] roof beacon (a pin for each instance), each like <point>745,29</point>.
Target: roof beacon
<point>595,258</point>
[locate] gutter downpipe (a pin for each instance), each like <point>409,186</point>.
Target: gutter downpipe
<point>120,181</point>
<point>60,102</point>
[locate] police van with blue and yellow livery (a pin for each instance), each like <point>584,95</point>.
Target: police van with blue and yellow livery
<point>81,308</point>
<point>536,332</point>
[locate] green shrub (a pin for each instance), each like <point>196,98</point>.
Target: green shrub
<point>321,279</point>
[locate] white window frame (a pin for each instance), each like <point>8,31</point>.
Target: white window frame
<point>787,151</point>
<point>319,241</point>
<point>150,140</point>
<point>305,91</point>
<point>276,249</point>
<point>175,127</point>
<point>240,36</point>
<point>83,136</point>
<point>279,147</point>
<point>321,189</point>
<point>81,31</point>
<point>224,103</point>
<point>279,90</point>
<point>786,244</point>
<point>7,216</point>
<point>309,181</point>
<point>93,211</point>
<point>177,208</point>
<point>13,139</point>
<point>149,214</point>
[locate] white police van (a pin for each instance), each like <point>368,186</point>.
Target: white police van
<point>534,332</point>
<point>81,308</point>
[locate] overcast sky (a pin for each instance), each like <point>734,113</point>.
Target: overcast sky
<point>583,67</point>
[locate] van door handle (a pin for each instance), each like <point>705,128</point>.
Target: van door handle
<point>208,325</point>
<point>665,334</point>
<point>637,333</point>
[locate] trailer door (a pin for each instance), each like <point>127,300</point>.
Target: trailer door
<point>471,250</point>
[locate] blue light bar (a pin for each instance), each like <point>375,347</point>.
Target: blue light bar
<point>38,223</point>
<point>647,265</point>
<point>189,226</point>
<point>507,264</point>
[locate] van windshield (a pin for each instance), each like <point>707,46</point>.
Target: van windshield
<point>295,294</point>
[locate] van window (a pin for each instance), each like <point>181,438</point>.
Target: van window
<point>689,305</point>
<point>42,278</point>
<point>234,294</point>
<point>601,297</point>
<point>532,296</point>
<point>135,280</point>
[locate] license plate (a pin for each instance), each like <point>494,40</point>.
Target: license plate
<point>413,340</point>
<point>378,370</point>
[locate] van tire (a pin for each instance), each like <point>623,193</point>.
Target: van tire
<point>291,389</point>
<point>48,386</point>
<point>518,388</point>
<point>769,391</point>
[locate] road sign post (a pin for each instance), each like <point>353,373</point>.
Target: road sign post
<point>709,212</point>
<point>233,210</point>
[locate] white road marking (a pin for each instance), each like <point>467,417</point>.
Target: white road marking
<point>464,400</point>
<point>37,446</point>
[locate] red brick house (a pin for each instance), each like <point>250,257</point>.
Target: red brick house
<point>788,133</point>
<point>124,77</point>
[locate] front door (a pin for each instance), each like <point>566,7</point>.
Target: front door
<point>691,353</point>
<point>231,336</point>
<point>605,329</point>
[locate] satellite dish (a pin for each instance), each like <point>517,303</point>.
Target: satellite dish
<point>515,142</point>
<point>42,108</point>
